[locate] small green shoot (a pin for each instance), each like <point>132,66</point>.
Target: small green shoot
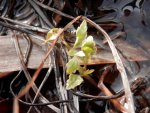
<point>51,35</point>
<point>84,47</point>
<point>81,34</point>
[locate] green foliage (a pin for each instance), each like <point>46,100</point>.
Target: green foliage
<point>80,54</point>
<point>87,72</point>
<point>72,52</point>
<point>82,50</point>
<point>73,81</point>
<point>88,46</point>
<point>51,35</point>
<point>72,65</point>
<point>81,34</point>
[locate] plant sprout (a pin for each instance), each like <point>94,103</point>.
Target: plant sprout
<point>84,47</point>
<point>82,50</point>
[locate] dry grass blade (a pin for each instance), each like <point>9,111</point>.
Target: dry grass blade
<point>107,92</point>
<point>120,67</point>
<point>16,28</point>
<point>29,85</point>
<point>58,81</point>
<point>53,10</point>
<point>27,74</point>
<point>26,26</point>
<point>40,87</point>
<point>40,13</point>
<point>15,106</point>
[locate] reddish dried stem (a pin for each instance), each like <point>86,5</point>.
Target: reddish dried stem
<point>107,92</point>
<point>29,85</point>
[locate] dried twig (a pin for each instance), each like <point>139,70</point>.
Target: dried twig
<point>44,104</point>
<point>16,28</point>
<point>28,75</point>
<point>40,13</point>
<point>59,85</point>
<point>29,85</point>
<point>93,97</point>
<point>53,10</point>
<point>25,26</point>
<point>120,67</point>
<point>40,87</point>
<point>107,92</point>
<point>15,106</point>
<point>114,36</point>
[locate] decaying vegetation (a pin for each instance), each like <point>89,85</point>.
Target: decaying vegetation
<point>74,56</point>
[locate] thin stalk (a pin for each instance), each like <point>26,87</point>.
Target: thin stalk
<point>120,67</point>
<point>53,10</point>
<point>31,82</point>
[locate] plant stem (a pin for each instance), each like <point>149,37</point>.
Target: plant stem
<point>120,67</point>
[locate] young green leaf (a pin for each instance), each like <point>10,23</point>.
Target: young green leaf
<point>72,65</point>
<point>51,35</point>
<point>73,81</point>
<point>88,45</point>
<point>81,34</point>
<point>80,54</point>
<point>87,50</point>
<point>87,72</point>
<point>89,42</point>
<point>72,52</point>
